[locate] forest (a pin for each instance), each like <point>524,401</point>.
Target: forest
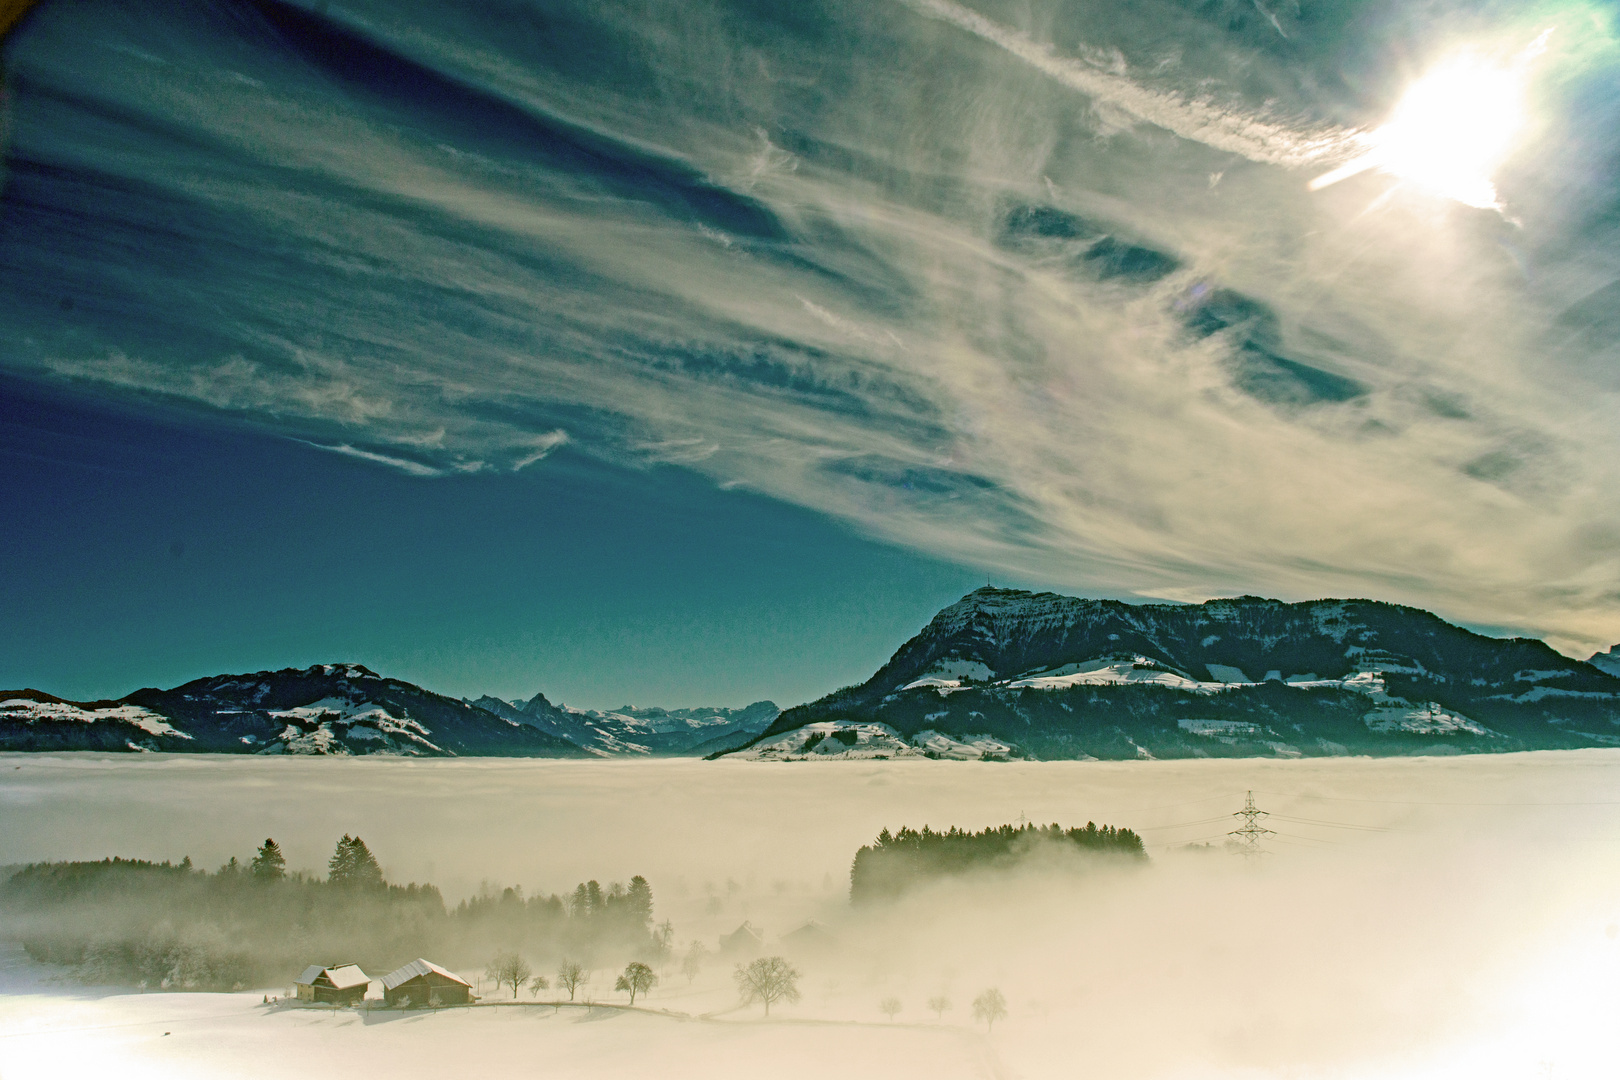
<point>168,925</point>
<point>898,862</point>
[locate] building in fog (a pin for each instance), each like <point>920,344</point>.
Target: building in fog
<point>340,984</point>
<point>746,940</point>
<point>422,982</point>
<point>811,938</point>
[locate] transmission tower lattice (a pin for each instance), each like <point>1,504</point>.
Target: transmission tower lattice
<point>1251,832</point>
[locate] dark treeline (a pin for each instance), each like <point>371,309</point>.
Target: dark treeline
<point>899,861</point>
<point>169,925</point>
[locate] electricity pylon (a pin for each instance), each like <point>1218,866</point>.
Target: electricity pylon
<point>1251,832</point>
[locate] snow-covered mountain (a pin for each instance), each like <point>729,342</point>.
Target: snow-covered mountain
<point>647,731</point>
<point>350,709</point>
<point>1060,676</point>
<point>1608,660</point>
<point>325,709</point>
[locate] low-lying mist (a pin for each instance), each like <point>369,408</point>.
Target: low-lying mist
<point>1424,918</point>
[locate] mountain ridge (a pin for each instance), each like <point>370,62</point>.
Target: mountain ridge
<point>331,709</point>
<point>1041,674</point>
<point>650,731</point>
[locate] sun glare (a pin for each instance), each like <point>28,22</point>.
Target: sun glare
<point>1452,129</point>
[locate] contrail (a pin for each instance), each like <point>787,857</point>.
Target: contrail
<point>1200,121</point>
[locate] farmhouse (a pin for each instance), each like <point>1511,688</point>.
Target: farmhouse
<point>340,984</point>
<point>812,937</point>
<point>422,982</point>
<point>746,940</point>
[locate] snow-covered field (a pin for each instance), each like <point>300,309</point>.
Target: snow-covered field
<point>1459,917</point>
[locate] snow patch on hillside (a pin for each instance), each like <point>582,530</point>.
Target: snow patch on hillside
<point>951,674</point>
<point>328,726</point>
<point>1428,719</point>
<point>28,711</point>
<point>1102,672</point>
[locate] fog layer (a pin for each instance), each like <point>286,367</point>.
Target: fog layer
<point>1459,917</point>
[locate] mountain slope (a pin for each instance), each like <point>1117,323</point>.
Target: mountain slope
<point>1059,676</point>
<point>324,709</point>
<point>646,731</point>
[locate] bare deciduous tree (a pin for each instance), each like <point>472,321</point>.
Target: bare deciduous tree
<point>537,984</point>
<point>571,976</point>
<point>939,1006</point>
<point>509,969</point>
<point>692,963</point>
<point>889,1006</point>
<point>767,980</point>
<point>637,978</point>
<point>990,1006</point>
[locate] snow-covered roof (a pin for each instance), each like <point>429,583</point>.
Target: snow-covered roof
<point>418,967</point>
<point>746,932</point>
<point>811,930</point>
<point>341,977</point>
<point>347,976</point>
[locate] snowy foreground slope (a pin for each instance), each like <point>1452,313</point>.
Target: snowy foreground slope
<point>1053,676</point>
<point>220,1035</point>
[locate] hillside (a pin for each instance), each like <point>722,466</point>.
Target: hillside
<point>1012,673</point>
<point>324,709</point>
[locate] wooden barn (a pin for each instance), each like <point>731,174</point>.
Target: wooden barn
<point>339,984</point>
<point>747,940</point>
<point>810,938</point>
<point>422,982</point>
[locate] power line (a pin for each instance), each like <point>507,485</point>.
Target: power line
<point>1172,806</point>
<point>1183,824</point>
<point>1193,840</point>
<point>1333,824</point>
<point>1419,802</point>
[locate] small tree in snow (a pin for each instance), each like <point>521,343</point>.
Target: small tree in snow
<point>637,978</point>
<point>889,1006</point>
<point>537,984</point>
<point>990,1006</point>
<point>768,979</point>
<point>509,969</point>
<point>571,976</point>
<point>692,962</point>
<point>939,1006</point>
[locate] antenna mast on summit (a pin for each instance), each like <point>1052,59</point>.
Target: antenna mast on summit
<point>1251,832</point>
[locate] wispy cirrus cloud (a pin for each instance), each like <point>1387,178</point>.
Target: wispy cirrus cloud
<point>961,279</point>
<point>404,465</point>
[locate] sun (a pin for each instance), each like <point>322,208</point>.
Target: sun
<point>1452,129</point>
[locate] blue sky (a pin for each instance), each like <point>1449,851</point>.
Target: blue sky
<point>158,548</point>
<point>814,316</point>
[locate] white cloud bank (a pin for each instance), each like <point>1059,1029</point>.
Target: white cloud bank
<point>1459,918</point>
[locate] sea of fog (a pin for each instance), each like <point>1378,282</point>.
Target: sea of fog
<point>1415,918</point>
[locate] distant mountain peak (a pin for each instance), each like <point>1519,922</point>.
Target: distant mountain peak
<point>643,730</point>
<point>1608,660</point>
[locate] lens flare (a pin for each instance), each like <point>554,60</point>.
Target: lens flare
<point>1452,129</point>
